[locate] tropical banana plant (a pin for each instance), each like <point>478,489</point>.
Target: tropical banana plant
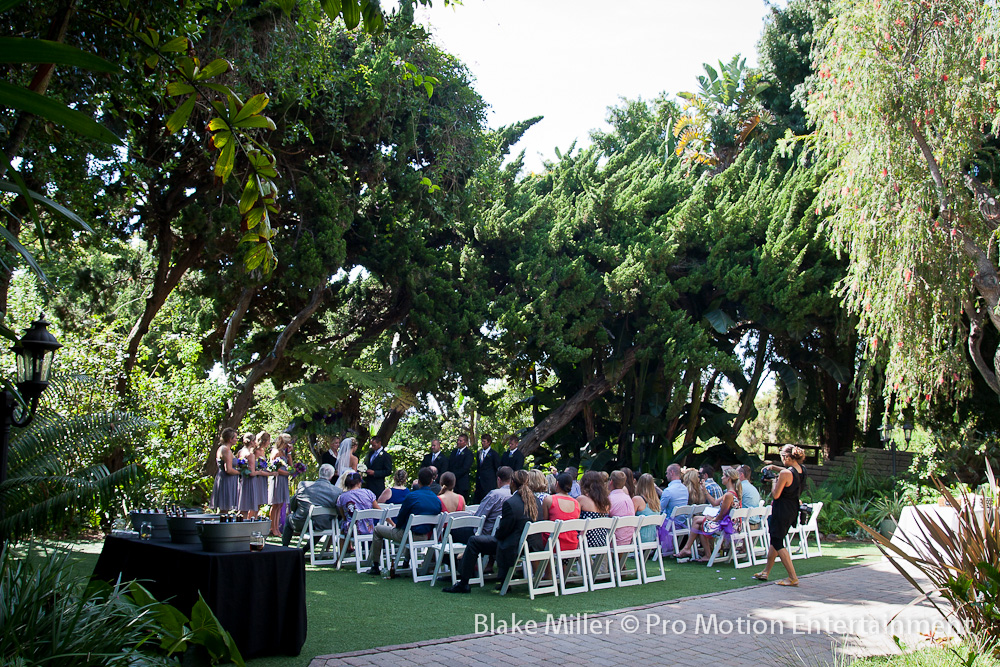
<point>722,116</point>
<point>56,471</point>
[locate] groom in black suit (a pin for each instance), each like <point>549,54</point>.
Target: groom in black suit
<point>436,458</point>
<point>379,465</point>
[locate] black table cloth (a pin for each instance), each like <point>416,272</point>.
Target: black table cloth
<point>259,597</point>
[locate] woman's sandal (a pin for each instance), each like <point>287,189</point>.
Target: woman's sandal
<point>760,576</point>
<point>788,582</point>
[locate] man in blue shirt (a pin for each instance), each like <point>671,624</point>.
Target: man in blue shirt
<point>419,501</point>
<point>751,496</point>
<point>708,480</point>
<point>676,494</point>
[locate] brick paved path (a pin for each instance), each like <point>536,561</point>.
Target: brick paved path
<point>759,625</point>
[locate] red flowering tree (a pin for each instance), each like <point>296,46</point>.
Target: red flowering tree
<point>905,98</point>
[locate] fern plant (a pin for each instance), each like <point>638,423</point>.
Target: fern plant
<point>56,470</point>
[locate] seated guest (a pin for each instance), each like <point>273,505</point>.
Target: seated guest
<point>520,508</point>
<point>646,504</point>
<point>707,474</point>
<point>394,494</point>
<point>706,527</point>
<point>491,506</point>
<point>621,505</point>
<point>321,493</point>
<point>629,481</point>
<point>450,501</point>
<point>353,499</point>
<point>594,504</point>
<point>697,495</point>
<point>676,493</point>
<point>538,485</point>
<point>561,507</point>
<point>435,485</point>
<point>573,472</point>
<point>751,496</point>
<point>418,501</point>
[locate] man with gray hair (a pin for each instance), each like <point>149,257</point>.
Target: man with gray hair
<point>321,493</point>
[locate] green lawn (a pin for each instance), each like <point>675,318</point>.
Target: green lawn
<point>349,612</point>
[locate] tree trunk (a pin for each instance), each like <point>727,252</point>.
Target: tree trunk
<point>389,424</point>
<point>562,415</point>
<point>260,369</point>
<point>750,395</point>
<point>166,279</point>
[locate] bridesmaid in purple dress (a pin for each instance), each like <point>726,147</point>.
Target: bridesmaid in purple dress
<point>226,489</point>
<point>277,494</point>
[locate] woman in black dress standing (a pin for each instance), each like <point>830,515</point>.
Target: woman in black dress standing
<point>785,494</point>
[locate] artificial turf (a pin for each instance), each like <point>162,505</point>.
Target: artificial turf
<point>349,612</point>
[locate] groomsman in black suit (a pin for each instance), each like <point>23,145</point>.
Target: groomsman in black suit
<point>379,465</point>
<point>487,464</point>
<point>512,458</point>
<point>436,458</point>
<point>461,464</point>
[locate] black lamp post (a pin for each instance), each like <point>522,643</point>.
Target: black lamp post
<point>907,432</point>
<point>35,353</point>
<point>887,437</point>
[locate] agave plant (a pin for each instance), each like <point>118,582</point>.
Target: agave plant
<point>961,562</point>
<point>56,470</point>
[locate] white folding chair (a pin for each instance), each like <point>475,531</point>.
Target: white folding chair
<point>737,541</point>
<point>389,547</point>
<point>471,509</point>
<point>622,552</point>
<point>795,541</point>
<point>649,550</point>
<point>566,559</point>
<point>312,536</point>
<point>680,525</point>
<point>757,535</point>
<point>362,541</point>
<point>599,555</point>
<point>543,560</point>
<point>448,548</point>
<point>812,528</point>
<point>417,548</point>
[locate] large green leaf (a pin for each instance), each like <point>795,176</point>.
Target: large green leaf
<point>22,99</point>
<point>720,320</point>
<point>794,383</point>
<point>7,186</point>
<point>22,50</point>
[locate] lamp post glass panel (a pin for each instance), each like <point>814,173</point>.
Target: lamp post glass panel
<point>35,353</point>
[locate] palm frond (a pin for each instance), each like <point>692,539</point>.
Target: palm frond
<point>57,468</point>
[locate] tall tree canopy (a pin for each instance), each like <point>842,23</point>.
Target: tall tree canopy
<point>905,99</point>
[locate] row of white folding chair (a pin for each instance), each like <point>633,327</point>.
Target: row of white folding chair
<point>797,540</point>
<point>738,542</point>
<point>588,560</point>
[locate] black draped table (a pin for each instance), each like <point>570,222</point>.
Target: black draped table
<point>259,597</point>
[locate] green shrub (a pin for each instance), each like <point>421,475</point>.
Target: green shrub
<point>50,614</point>
<point>961,562</point>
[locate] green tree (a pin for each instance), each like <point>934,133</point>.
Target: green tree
<point>905,101</point>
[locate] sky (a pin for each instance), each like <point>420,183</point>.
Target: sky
<point>569,60</point>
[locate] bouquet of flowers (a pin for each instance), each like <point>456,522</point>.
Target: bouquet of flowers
<point>362,469</point>
<point>299,468</point>
<point>261,464</point>
<point>244,467</point>
<point>277,464</point>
